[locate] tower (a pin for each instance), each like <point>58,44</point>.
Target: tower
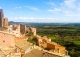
<point>1,18</point>
<point>5,22</point>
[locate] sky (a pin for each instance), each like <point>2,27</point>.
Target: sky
<point>51,11</point>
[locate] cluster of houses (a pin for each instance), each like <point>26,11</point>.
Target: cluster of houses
<point>13,43</point>
<point>13,40</point>
<point>47,44</point>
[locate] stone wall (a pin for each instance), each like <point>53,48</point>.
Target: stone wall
<point>7,39</point>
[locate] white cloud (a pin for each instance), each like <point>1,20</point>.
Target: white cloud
<point>31,18</point>
<point>78,6</point>
<point>16,18</point>
<point>0,7</point>
<point>33,8</point>
<point>26,6</point>
<point>68,12</point>
<point>50,10</point>
<point>25,18</point>
<point>12,13</point>
<point>51,3</point>
<point>70,3</point>
<point>51,19</point>
<point>47,19</point>
<point>30,7</point>
<point>18,7</point>
<point>40,18</point>
<point>72,15</point>
<point>20,17</point>
<point>53,10</point>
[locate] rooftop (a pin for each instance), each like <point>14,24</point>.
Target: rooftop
<point>24,45</point>
<point>14,33</point>
<point>6,49</point>
<point>7,32</point>
<point>34,53</point>
<point>2,28</point>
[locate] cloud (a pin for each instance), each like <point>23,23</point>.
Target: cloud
<point>12,13</point>
<point>0,7</point>
<point>40,19</point>
<point>16,18</point>
<point>18,7</point>
<point>70,3</point>
<point>51,3</point>
<point>66,8</point>
<point>68,12</point>
<point>33,8</point>
<point>54,10</point>
<point>73,15</point>
<point>20,17</point>
<point>32,18</point>
<point>30,7</point>
<point>25,18</point>
<point>45,18</point>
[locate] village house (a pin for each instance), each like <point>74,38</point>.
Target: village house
<point>46,43</point>
<point>17,45</point>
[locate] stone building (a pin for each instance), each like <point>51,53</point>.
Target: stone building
<point>46,43</point>
<point>1,18</point>
<point>33,30</point>
<point>21,29</point>
<point>18,29</point>
<point>7,39</point>
<point>18,47</point>
<point>6,51</point>
<point>3,21</point>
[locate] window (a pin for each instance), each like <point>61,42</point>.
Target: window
<point>3,41</point>
<point>4,34</point>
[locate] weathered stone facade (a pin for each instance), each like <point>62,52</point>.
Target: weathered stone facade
<point>3,21</point>
<point>7,39</point>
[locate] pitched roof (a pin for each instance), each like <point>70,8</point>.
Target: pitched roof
<point>6,49</point>
<point>2,28</point>
<point>40,53</point>
<point>49,55</point>
<point>34,53</point>
<point>23,45</point>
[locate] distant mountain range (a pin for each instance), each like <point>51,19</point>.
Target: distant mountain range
<point>33,24</point>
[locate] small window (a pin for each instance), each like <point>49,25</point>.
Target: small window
<point>4,34</point>
<point>3,41</point>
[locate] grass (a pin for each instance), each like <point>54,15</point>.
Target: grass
<point>52,37</point>
<point>32,41</point>
<point>77,42</point>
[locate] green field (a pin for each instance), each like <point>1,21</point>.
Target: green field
<point>52,37</point>
<point>77,42</point>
